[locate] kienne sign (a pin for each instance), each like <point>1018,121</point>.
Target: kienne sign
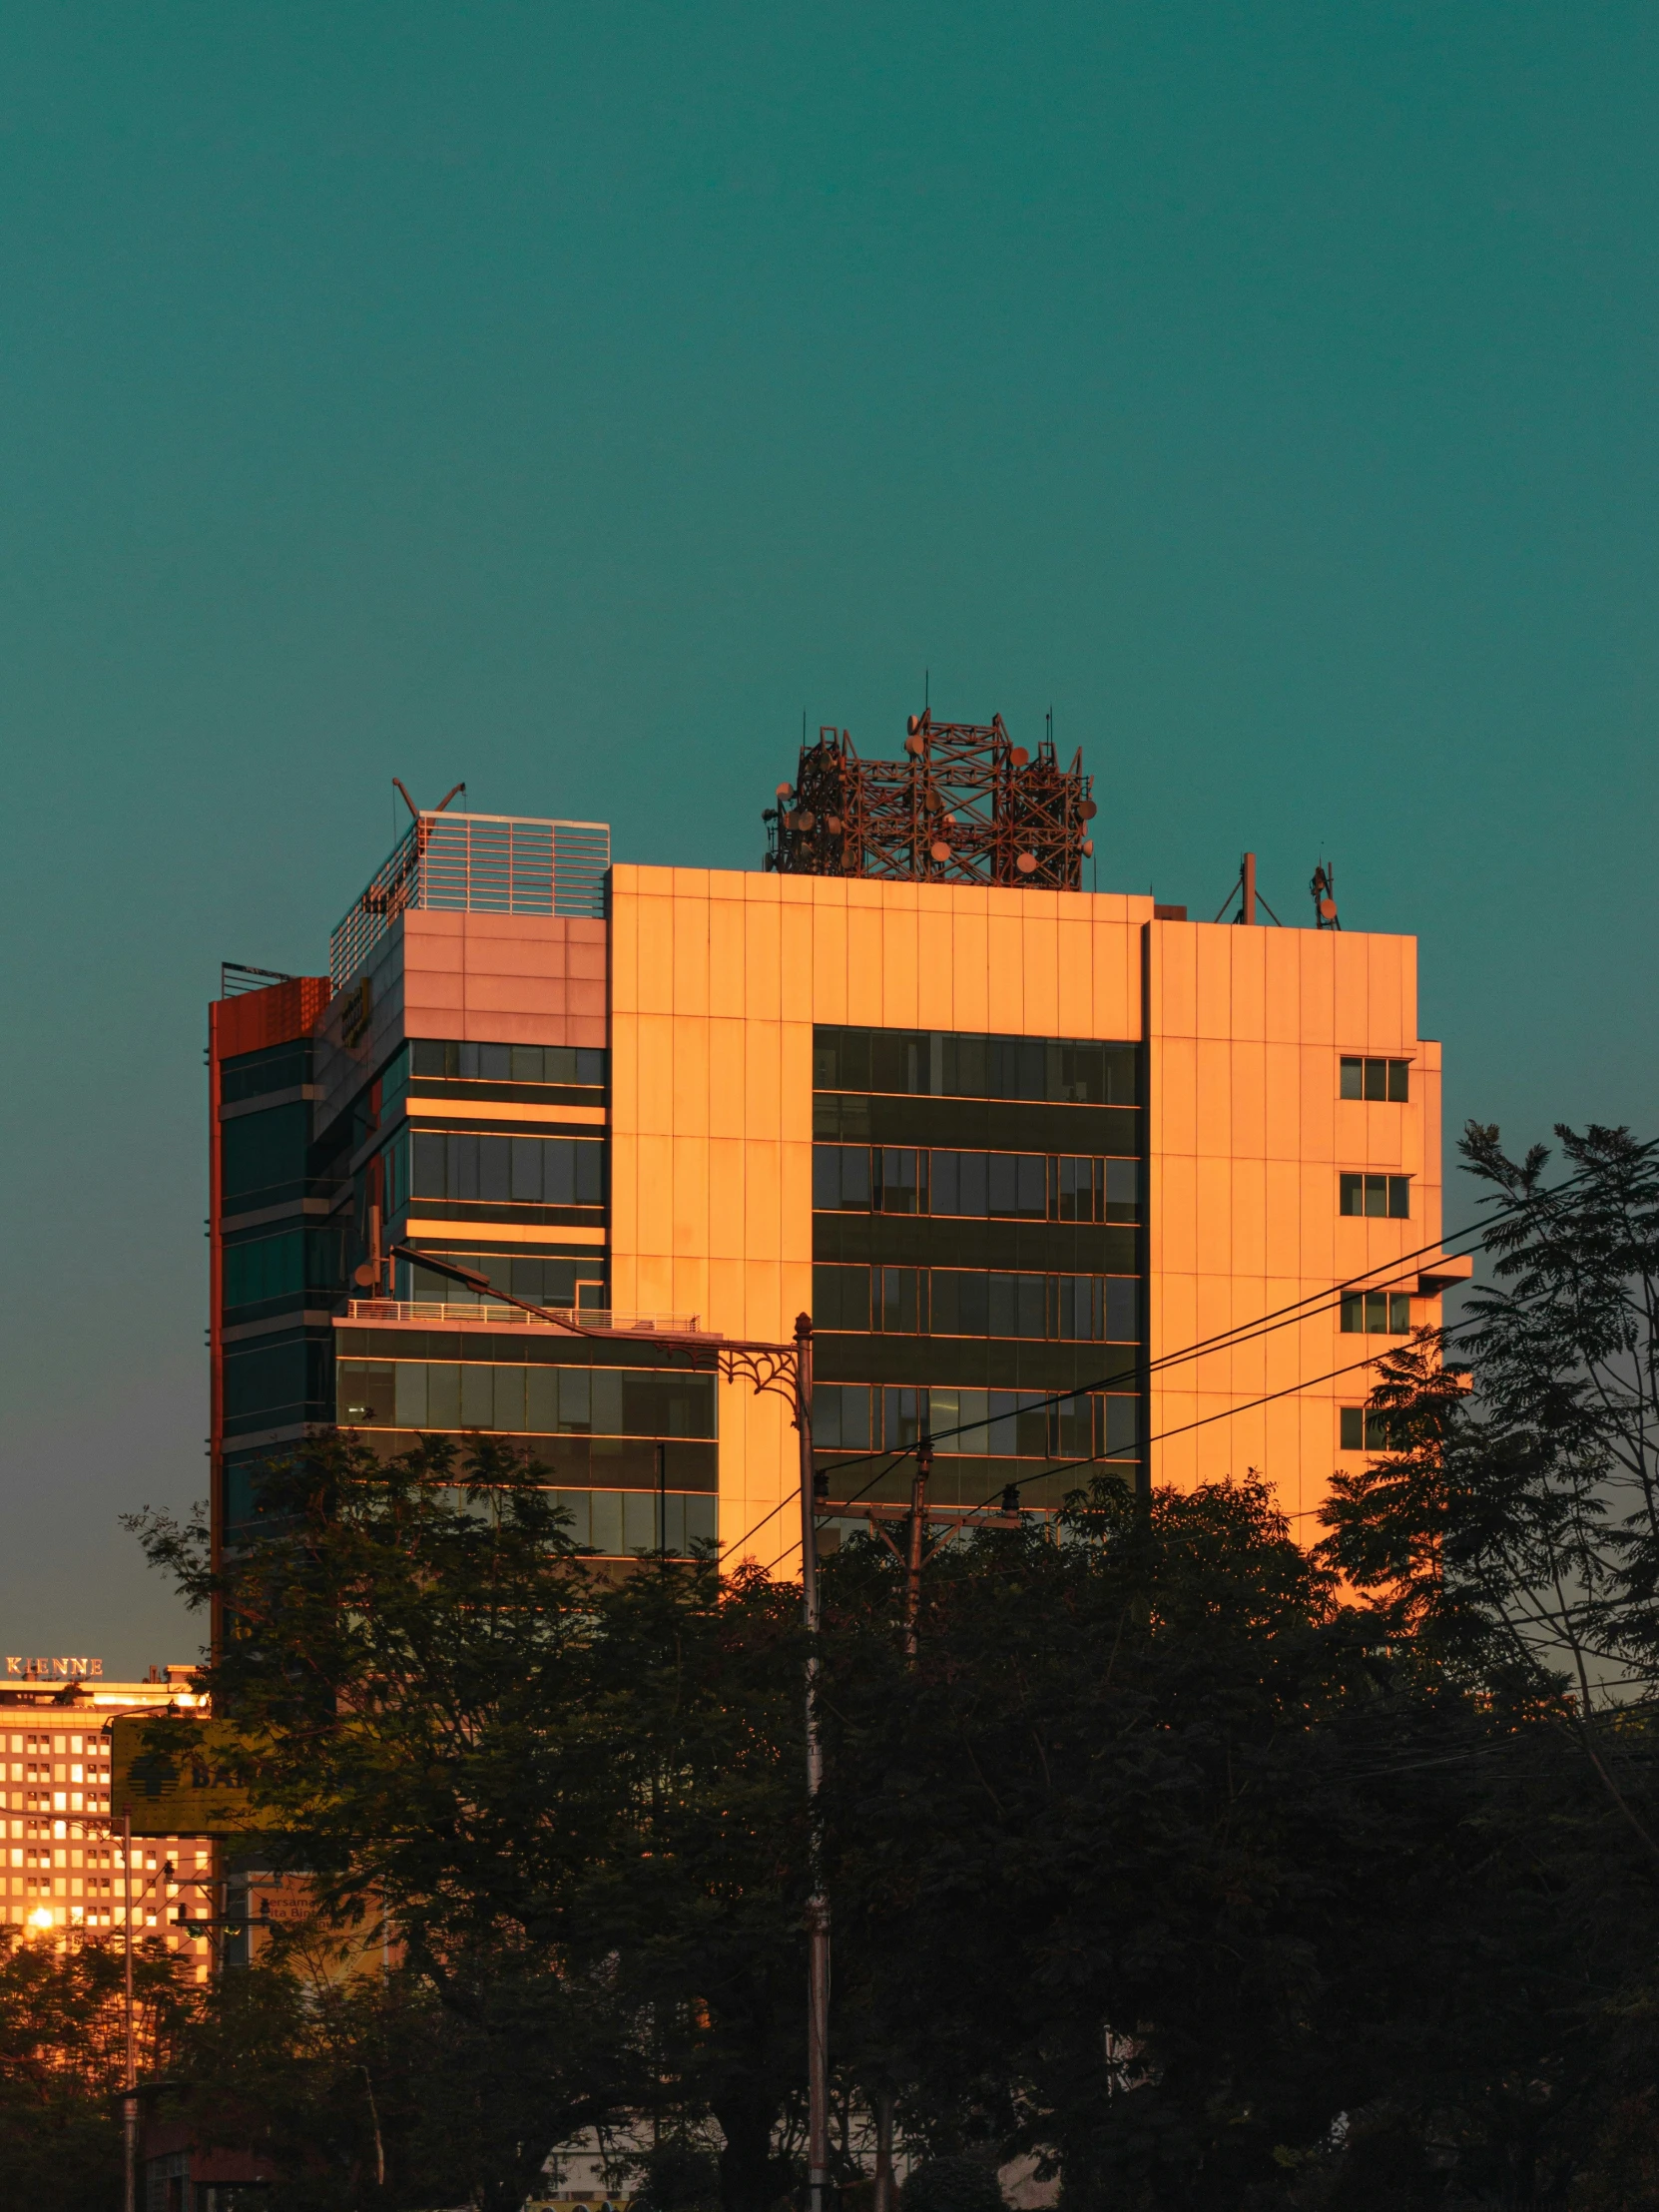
<point>54,1670</point>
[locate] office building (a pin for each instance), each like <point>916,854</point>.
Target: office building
<point>64,1870</point>
<point>1016,1146</point>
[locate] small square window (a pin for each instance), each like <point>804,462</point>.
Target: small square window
<point>1377,1313</point>
<point>1365,1430</point>
<point>1379,1197</point>
<point>1375,1079</point>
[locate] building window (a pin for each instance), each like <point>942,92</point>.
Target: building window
<point>1391,1079</point>
<point>902,1300</point>
<point>978,1186</point>
<point>939,1064</point>
<point>840,1416</point>
<point>841,1297</point>
<point>1378,1313</point>
<point>1364,1431</point>
<point>840,1178</point>
<point>540,1401</point>
<point>1379,1197</point>
<point>902,1180</point>
<point>1023,1424</point>
<point>972,1301</point>
<point>508,1170</point>
<point>507,1063</point>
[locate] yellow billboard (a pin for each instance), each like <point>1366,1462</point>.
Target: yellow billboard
<point>177,1776</point>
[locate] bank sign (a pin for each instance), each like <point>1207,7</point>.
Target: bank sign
<point>54,1670</point>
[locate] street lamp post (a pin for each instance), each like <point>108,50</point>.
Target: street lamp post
<point>129,2085</point>
<point>786,1372</point>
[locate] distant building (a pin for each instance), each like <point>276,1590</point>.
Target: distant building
<point>65,1874</point>
<point>1016,1150</point>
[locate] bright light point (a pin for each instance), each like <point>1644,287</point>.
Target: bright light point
<point>41,1916</point>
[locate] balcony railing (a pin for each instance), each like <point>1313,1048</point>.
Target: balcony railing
<point>513,1316</point>
<point>478,864</point>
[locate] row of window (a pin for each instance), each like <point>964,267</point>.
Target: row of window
<point>284,1266</point>
<point>1019,1425</point>
<point>993,1186</point>
<point>969,1301</point>
<point>507,1063</point>
<point>1391,1079</point>
<point>618,1523</point>
<point>549,1401</point>
<point>543,1281</point>
<point>503,1171</point>
<point>935,1063</point>
<point>254,1074</point>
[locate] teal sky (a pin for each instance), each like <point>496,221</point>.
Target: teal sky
<point>565,397</point>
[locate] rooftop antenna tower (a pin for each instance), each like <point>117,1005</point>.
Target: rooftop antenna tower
<point>963,805</point>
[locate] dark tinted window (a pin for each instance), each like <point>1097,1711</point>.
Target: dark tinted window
<point>840,1416</point>
<point>251,1074</point>
<point>262,1152</point>
<point>841,1297</point>
<point>1387,1079</point>
<point>284,1266</point>
<point>1377,1313</point>
<point>941,1064</point>
<point>981,1186</point>
<point>502,1171</point>
<point>543,1281</point>
<point>1364,1431</point>
<point>1380,1197</point>
<point>507,1063</point>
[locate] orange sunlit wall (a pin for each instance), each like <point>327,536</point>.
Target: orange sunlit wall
<point>716,981</point>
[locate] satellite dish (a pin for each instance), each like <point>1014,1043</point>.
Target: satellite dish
<point>1027,863</point>
<point>1327,910</point>
<point>1089,810</point>
<point>1088,849</point>
<point>365,1276</point>
<point>804,823</point>
<point>941,851</point>
<point>1019,757</point>
<point>832,822</point>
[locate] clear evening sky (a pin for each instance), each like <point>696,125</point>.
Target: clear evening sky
<point>566,397</point>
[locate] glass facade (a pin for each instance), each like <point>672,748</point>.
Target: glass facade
<point>931,1318</point>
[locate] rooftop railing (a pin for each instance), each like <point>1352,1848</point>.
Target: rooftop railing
<point>514,1316</point>
<point>478,864</point>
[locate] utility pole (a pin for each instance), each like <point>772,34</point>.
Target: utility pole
<point>915,1548</point>
<point>817,1903</point>
<point>129,2099</point>
<point>883,2194</point>
<point>785,1369</point>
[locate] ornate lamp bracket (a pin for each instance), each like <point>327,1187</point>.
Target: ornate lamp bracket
<point>766,1366</point>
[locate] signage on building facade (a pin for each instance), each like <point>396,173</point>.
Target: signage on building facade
<point>54,1670</point>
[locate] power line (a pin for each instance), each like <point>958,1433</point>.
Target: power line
<point>1306,1382</point>
<point>1241,1334</point>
